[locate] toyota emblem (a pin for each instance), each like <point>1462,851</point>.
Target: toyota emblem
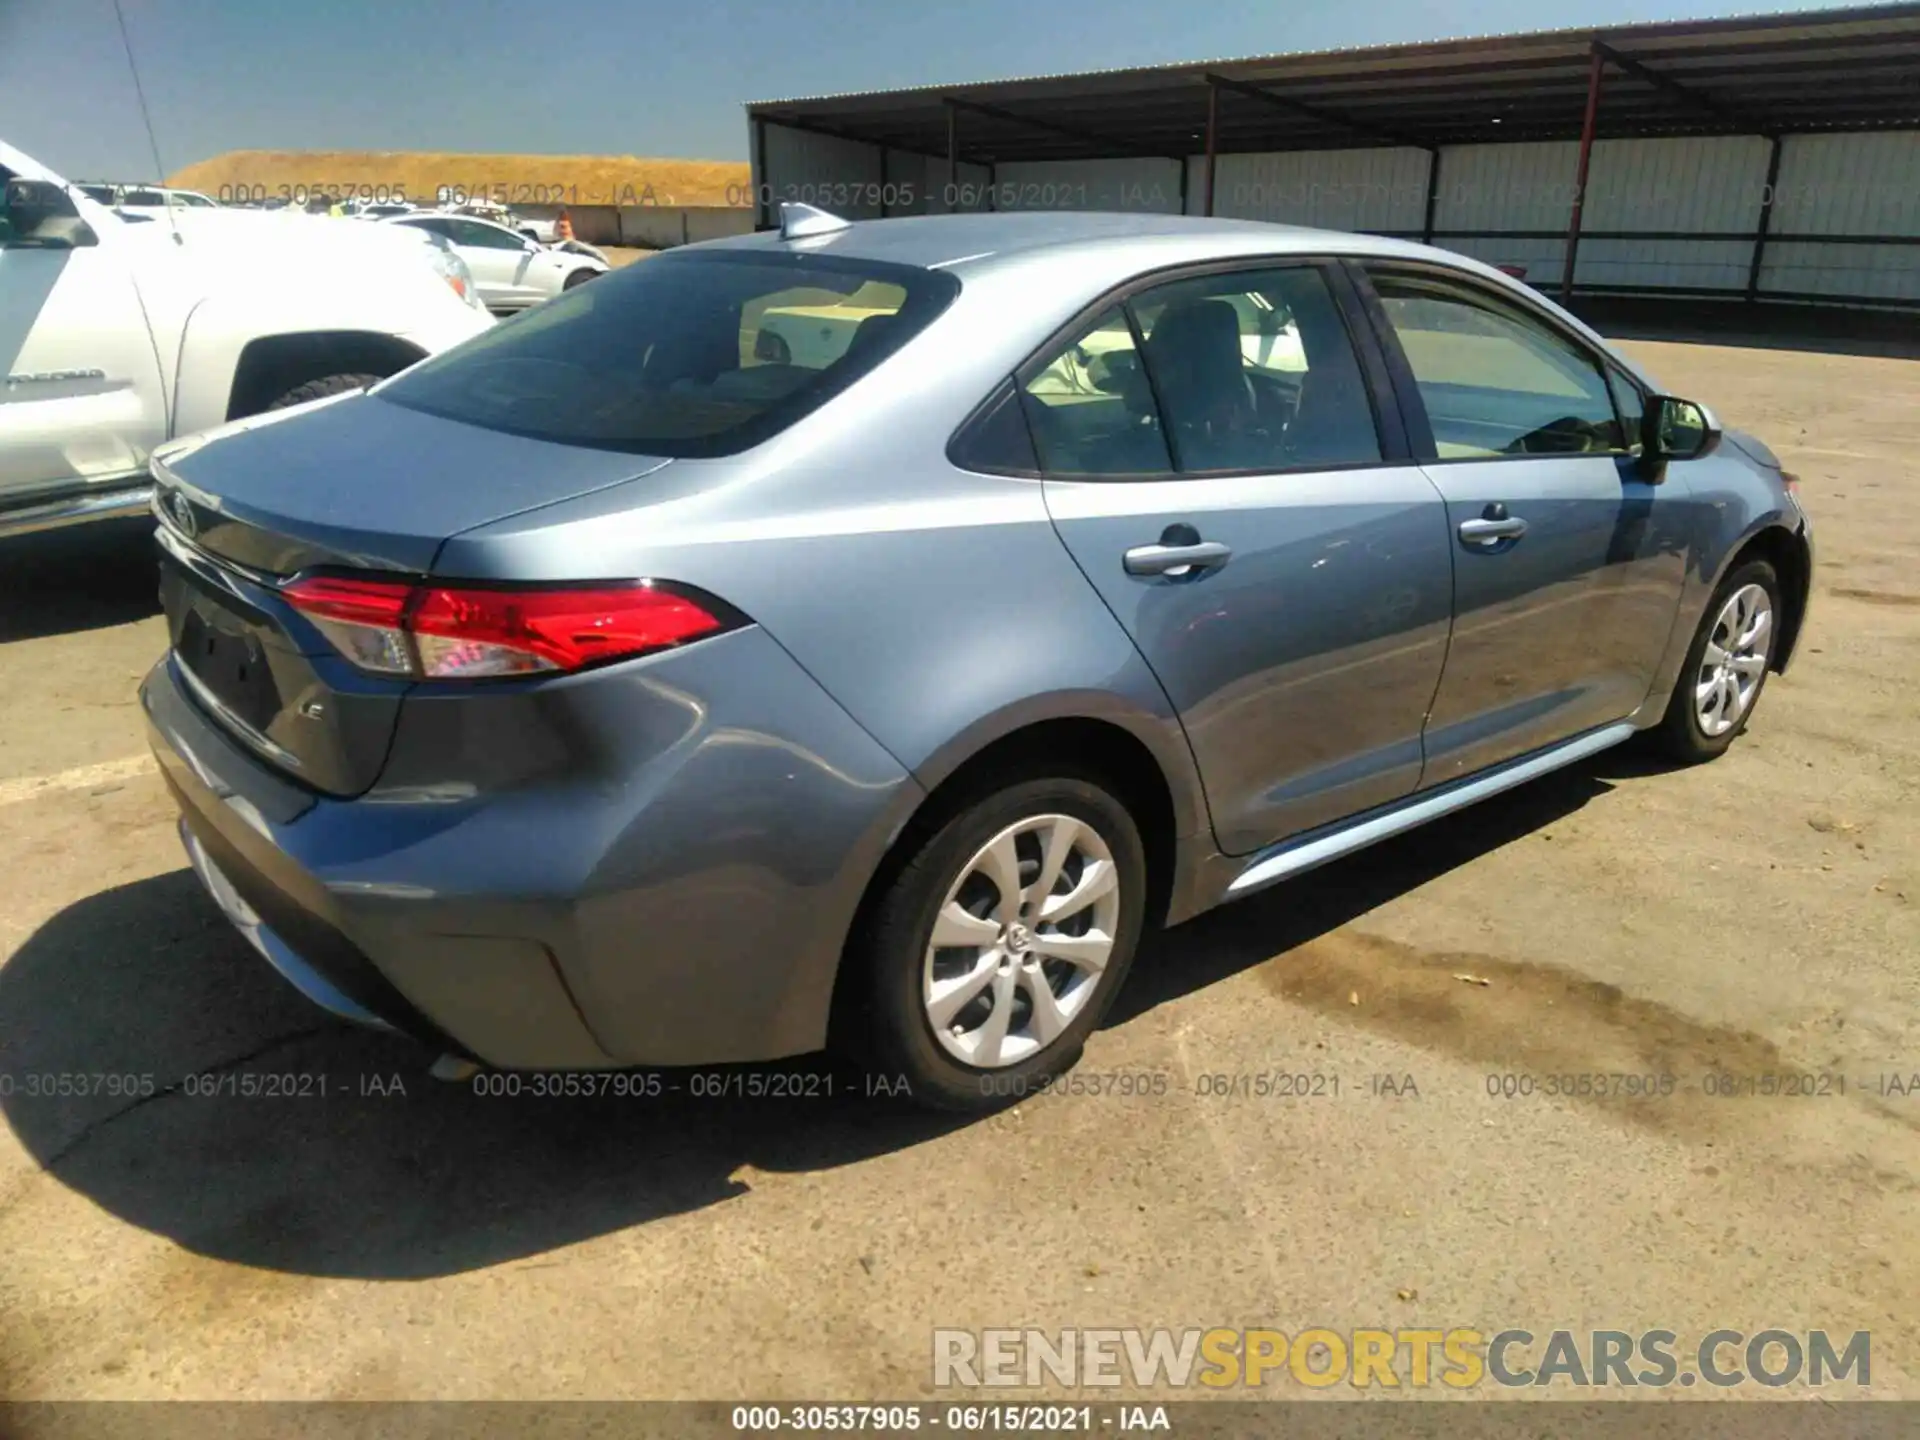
<point>180,510</point>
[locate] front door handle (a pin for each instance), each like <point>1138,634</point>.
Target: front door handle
<point>1176,560</point>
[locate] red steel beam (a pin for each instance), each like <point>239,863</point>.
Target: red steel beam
<point>1595,66</point>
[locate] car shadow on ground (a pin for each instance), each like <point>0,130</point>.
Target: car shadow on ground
<point>85,577</point>
<point>275,1138</point>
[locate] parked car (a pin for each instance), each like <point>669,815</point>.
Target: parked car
<point>545,231</point>
<point>511,271</point>
<point>132,326</point>
<point>606,693</point>
<point>142,196</point>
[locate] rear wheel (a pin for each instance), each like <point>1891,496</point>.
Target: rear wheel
<point>997,947</point>
<point>578,277</point>
<point>321,387</point>
<point>1726,666</point>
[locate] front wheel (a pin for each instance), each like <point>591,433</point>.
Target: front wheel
<point>320,387</point>
<point>1726,666</point>
<point>578,277</point>
<point>997,947</point>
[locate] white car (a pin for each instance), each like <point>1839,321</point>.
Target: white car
<point>125,328</point>
<point>511,271</point>
<point>144,197</point>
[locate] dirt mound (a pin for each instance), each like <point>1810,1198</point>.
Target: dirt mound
<point>426,176</point>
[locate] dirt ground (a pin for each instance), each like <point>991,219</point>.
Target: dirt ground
<point>405,1238</point>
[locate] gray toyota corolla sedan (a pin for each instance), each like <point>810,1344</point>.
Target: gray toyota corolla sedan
<point>863,632</point>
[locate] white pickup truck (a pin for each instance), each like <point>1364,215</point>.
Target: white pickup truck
<point>119,331</point>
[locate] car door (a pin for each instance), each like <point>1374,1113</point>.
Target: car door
<point>1568,560</point>
<point>83,401</point>
<point>500,261</point>
<point>1259,530</point>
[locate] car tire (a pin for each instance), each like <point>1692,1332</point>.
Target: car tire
<point>993,1047</point>
<point>1720,684</point>
<point>578,277</point>
<point>321,387</point>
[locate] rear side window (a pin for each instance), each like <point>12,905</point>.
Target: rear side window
<point>1090,406</point>
<point>1494,380</point>
<point>697,354</point>
<point>483,237</point>
<point>1256,371</point>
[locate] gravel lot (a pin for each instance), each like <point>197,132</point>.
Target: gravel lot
<point>1748,917</point>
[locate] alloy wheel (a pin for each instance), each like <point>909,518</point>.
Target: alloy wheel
<point>1021,940</point>
<point>1734,661</point>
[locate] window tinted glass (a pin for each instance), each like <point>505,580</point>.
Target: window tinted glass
<point>997,440</point>
<point>1494,380</point>
<point>677,356</point>
<point>1630,403</point>
<point>1090,406</point>
<point>1256,371</point>
<point>482,237</point>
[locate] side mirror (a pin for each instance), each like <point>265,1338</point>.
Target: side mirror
<point>1676,429</point>
<point>40,215</point>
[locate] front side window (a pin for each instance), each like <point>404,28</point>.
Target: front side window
<point>1494,380</point>
<point>678,357</point>
<point>1256,371</point>
<point>1630,402</point>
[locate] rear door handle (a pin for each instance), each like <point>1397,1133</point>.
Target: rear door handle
<point>1176,559</point>
<point>1492,532</point>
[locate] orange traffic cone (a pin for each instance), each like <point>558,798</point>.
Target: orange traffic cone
<point>563,227</point>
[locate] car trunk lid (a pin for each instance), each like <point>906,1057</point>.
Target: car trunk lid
<point>357,481</point>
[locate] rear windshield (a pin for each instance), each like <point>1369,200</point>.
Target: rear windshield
<point>695,354</point>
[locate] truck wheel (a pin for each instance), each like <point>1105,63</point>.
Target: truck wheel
<point>321,387</point>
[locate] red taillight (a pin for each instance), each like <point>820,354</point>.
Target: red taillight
<point>1791,480</point>
<point>468,632</point>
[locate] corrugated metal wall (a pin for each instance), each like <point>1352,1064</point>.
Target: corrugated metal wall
<point>843,176</point>
<point>861,181</point>
<point>1506,187</point>
<point>1706,185</point>
<point>1149,186</point>
<point>1384,191</point>
<point>1506,204</point>
<point>1846,185</point>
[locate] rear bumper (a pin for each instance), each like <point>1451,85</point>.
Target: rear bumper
<point>542,904</point>
<point>124,502</point>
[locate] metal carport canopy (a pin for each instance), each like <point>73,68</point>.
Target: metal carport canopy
<point>1850,69</point>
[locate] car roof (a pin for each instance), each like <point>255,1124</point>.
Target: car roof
<point>981,241</point>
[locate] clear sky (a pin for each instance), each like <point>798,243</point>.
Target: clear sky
<point>635,77</point>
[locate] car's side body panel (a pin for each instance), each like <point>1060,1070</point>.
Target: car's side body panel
<point>941,623</point>
<point>1563,631</point>
<point>1303,667</point>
